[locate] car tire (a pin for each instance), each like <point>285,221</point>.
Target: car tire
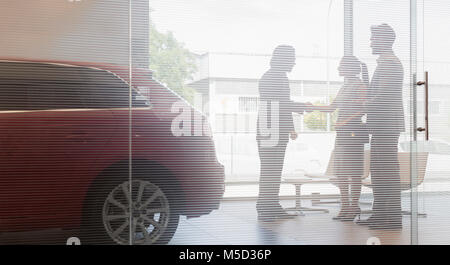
<point>107,200</point>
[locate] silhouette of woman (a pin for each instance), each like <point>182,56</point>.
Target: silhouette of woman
<point>351,134</point>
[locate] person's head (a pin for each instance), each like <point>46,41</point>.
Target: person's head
<point>283,58</point>
<point>349,66</point>
<point>382,38</point>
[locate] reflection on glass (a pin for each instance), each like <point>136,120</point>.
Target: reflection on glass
<point>167,122</point>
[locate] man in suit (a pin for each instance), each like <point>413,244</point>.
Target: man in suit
<point>274,126</point>
<point>385,121</point>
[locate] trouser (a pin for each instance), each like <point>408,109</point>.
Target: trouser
<point>272,159</point>
<point>385,175</point>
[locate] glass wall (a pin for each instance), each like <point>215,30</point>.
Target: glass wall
<point>433,58</point>
<point>364,47</point>
<point>89,153</point>
<point>222,122</point>
<point>56,121</point>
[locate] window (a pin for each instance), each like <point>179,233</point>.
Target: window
<point>442,148</point>
<point>71,94</point>
<point>105,90</point>
<point>12,97</point>
<point>248,104</point>
<point>226,122</point>
<point>39,95</point>
<point>235,123</point>
<point>45,95</point>
<point>434,107</point>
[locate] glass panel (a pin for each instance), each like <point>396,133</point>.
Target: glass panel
<point>383,33</point>
<point>266,122</point>
<point>63,138</point>
<point>433,192</point>
<point>238,57</point>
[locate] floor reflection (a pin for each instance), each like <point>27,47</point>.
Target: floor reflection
<point>235,223</point>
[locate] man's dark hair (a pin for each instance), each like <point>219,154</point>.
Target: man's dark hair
<point>281,55</point>
<point>384,32</point>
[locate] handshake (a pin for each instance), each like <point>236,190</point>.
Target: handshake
<point>309,107</point>
<point>305,107</point>
<point>301,107</point>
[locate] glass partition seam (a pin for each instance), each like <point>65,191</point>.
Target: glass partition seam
<point>130,116</point>
<point>413,157</point>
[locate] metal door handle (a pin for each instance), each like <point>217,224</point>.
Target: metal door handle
<point>426,129</point>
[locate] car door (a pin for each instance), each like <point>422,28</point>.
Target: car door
<point>13,165</point>
<point>69,138</point>
<point>51,140</point>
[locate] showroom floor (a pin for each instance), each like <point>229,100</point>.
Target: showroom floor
<point>236,223</point>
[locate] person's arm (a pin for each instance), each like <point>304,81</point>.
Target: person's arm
<point>334,105</point>
<point>329,108</point>
<point>300,107</point>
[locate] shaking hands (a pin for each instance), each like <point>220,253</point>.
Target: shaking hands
<point>309,107</point>
<point>293,135</point>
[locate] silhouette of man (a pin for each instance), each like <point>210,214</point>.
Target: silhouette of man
<point>274,126</point>
<point>385,121</point>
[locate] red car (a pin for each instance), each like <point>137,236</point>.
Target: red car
<point>70,147</point>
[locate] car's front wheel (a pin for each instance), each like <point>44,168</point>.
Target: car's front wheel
<point>140,214</point>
